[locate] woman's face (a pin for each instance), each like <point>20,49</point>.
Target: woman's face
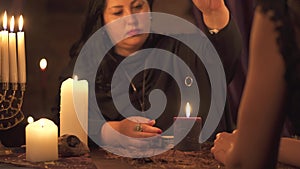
<point>129,28</point>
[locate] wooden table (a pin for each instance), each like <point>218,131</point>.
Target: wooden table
<point>171,159</point>
<point>101,159</point>
<point>16,159</point>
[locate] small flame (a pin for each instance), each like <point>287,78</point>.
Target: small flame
<point>12,24</point>
<point>21,22</point>
<point>43,64</point>
<point>188,110</point>
<point>5,21</point>
<point>30,119</point>
<point>75,77</point>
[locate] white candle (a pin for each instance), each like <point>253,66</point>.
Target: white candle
<point>0,56</point>
<point>4,51</point>
<point>41,141</point>
<point>21,52</point>
<point>13,74</point>
<point>74,108</point>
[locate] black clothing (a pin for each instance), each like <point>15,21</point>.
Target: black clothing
<point>227,44</point>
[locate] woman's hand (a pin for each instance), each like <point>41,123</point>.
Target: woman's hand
<point>130,128</point>
<point>222,145</point>
<point>128,132</point>
<point>136,127</point>
<point>215,13</point>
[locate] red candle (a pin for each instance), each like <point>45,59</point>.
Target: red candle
<point>187,131</point>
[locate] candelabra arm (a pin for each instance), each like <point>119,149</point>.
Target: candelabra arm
<point>11,101</point>
<point>5,86</point>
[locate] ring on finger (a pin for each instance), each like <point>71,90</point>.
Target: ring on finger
<point>138,127</point>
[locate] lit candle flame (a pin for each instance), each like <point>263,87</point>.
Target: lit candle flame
<point>188,110</point>
<point>12,24</point>
<point>5,21</point>
<point>43,64</point>
<point>30,119</point>
<point>75,77</point>
<point>21,22</point>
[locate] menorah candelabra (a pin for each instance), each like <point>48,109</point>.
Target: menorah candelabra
<point>11,101</point>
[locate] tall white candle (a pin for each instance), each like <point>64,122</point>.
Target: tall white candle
<point>41,141</point>
<point>13,74</point>
<point>4,51</point>
<point>0,56</point>
<point>21,52</point>
<point>74,108</point>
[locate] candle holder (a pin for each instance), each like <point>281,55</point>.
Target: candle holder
<point>11,101</point>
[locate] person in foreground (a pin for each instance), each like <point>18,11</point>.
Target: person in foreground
<point>101,12</point>
<point>272,92</point>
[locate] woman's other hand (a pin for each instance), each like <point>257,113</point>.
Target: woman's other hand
<point>215,13</point>
<point>209,6</point>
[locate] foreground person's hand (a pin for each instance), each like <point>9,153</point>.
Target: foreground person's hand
<point>222,145</point>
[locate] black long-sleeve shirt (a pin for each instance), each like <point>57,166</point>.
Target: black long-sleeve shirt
<point>228,46</point>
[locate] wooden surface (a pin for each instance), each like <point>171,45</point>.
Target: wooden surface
<point>15,158</point>
<point>101,159</point>
<point>171,159</point>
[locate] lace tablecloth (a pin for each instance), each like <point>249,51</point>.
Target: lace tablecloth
<point>172,159</point>
<point>101,159</point>
<point>17,158</point>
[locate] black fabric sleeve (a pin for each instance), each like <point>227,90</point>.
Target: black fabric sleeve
<point>228,43</point>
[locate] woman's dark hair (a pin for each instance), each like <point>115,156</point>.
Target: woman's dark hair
<point>93,21</point>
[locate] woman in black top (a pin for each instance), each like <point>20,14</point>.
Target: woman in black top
<point>222,32</point>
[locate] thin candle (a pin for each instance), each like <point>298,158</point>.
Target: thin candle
<point>12,24</point>
<point>4,51</point>
<point>13,73</point>
<point>21,52</point>
<point>0,57</point>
